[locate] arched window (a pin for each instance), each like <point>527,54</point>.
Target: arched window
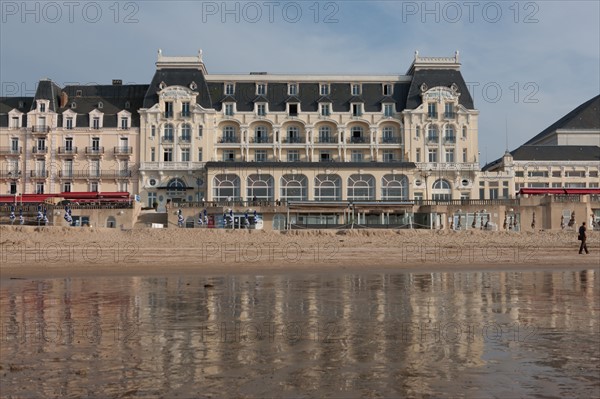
<point>261,135</point>
<point>111,222</point>
<point>328,188</point>
<point>293,134</point>
<point>168,132</point>
<point>388,135</point>
<point>441,190</point>
<point>325,135</point>
<point>356,134</point>
<point>432,133</point>
<point>176,185</point>
<point>294,188</point>
<point>261,187</point>
<point>186,132</point>
<point>361,187</point>
<point>394,187</point>
<point>229,134</point>
<point>226,187</point>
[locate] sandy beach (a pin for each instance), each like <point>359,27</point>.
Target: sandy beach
<point>58,251</point>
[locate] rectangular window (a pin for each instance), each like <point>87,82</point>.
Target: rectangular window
<point>325,109</point>
<point>449,155</point>
<point>357,156</point>
<point>388,110</point>
<point>42,107</point>
<point>185,109</point>
<point>168,109</point>
<point>325,156</point>
<point>260,155</point>
<point>14,145</point>
<point>432,155</point>
<point>69,123</point>
<point>153,131</point>
<point>293,156</point>
<point>519,174</point>
<point>505,192</point>
<point>200,131</point>
<point>13,187</point>
<point>229,109</point>
<point>387,89</point>
<point>96,123</point>
<point>261,89</point>
<point>168,155</point>
<point>96,143</point>
<point>324,89</point>
<point>418,196</point>
<point>293,89</point>
<point>594,173</point>
<point>449,110</point>
<point>537,173</point>
<point>356,90</point>
<point>185,155</point>
<point>199,154</point>
<point>124,123</point>
<point>67,187</point>
<point>39,188</point>
<point>261,109</point>
<point>94,187</point>
<point>356,109</point>
<point>418,155</point>
<point>482,193</point>
<point>68,144</point>
<point>432,110</point>
<point>556,173</point>
<point>228,155</point>
<point>293,109</point>
<point>464,152</point>
<point>388,156</point>
<point>575,173</point>
<point>229,89</point>
<point>152,154</point>
<point>493,193</point>
<point>14,122</point>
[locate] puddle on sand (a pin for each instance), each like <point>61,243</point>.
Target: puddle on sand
<point>492,334</point>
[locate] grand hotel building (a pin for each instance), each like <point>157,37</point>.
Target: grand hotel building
<point>190,135</point>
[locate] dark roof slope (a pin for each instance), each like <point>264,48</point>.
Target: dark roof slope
<point>557,153</point>
<point>438,77</point>
<point>47,90</point>
<point>179,77</point>
<point>7,104</point>
<point>586,116</point>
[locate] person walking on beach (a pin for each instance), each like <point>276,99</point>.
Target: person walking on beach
<point>583,238</point>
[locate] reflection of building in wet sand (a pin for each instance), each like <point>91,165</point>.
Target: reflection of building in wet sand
<point>247,334</point>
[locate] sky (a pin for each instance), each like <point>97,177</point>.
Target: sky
<point>526,63</point>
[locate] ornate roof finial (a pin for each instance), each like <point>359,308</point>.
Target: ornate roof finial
<point>200,54</point>
<point>456,55</point>
<point>416,54</point>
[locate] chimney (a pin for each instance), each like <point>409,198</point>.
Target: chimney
<point>64,99</point>
<point>117,82</point>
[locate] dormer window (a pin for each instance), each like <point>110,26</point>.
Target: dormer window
<point>324,89</point>
<point>78,93</point>
<point>356,109</point>
<point>124,123</point>
<point>100,105</point>
<point>261,89</point>
<point>73,105</point>
<point>14,122</point>
<point>229,89</point>
<point>325,109</point>
<point>42,107</point>
<point>21,104</point>
<point>127,105</point>
<point>15,119</point>
<point>229,109</point>
<point>96,122</point>
<point>293,109</point>
<point>69,123</point>
<point>387,89</point>
<point>293,89</point>
<point>388,110</point>
<point>193,86</point>
<point>124,120</point>
<point>356,90</point>
<point>261,109</point>
<point>96,119</point>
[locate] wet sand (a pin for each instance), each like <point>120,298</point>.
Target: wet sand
<point>58,251</point>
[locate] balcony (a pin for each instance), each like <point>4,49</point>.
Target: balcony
<point>449,115</point>
<point>260,140</point>
<point>186,114</point>
<point>40,129</point>
<point>326,140</point>
<point>171,165</point>
<point>94,150</point>
<point>11,151</point>
<point>432,114</point>
<point>167,139</point>
<point>10,174</point>
<point>358,140</point>
<point>168,114</point>
<point>39,150</point>
<point>123,151</point>
<point>95,174</point>
<point>293,140</point>
<point>229,140</point>
<point>433,139</point>
<point>450,140</point>
<point>67,150</point>
<point>390,140</point>
<point>185,139</point>
<point>38,174</point>
<point>447,166</point>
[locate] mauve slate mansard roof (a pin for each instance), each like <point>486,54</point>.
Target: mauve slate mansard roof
<point>406,94</point>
